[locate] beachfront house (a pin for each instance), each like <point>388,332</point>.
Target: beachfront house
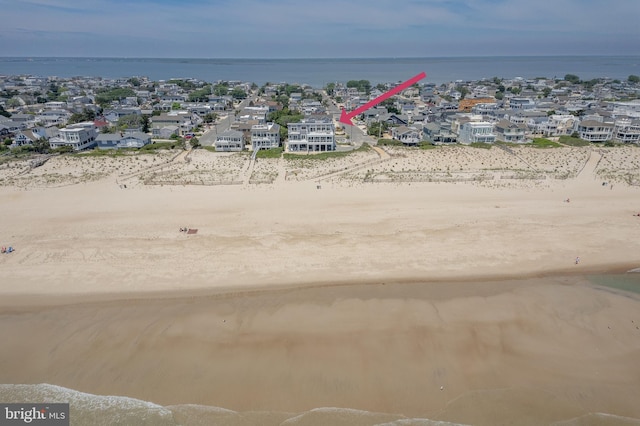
<point>79,136</point>
<point>265,136</point>
<point>312,135</point>
<point>507,131</point>
<point>183,120</point>
<point>122,140</point>
<point>230,140</point>
<point>409,136</point>
<point>24,137</point>
<point>595,131</point>
<point>438,133</point>
<point>627,131</point>
<point>476,132</point>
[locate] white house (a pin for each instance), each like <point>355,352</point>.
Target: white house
<point>311,135</point>
<point>78,136</point>
<point>627,131</point>
<point>476,131</point>
<point>230,140</point>
<point>265,136</point>
<point>595,131</point>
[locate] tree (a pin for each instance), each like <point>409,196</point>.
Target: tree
<point>145,123</point>
<point>238,93</point>
<point>105,97</point>
<point>330,88</point>
<point>175,105</point>
<point>221,89</point>
<point>633,79</point>
<point>41,146</point>
<point>572,78</point>
<point>79,117</point>
<point>463,91</point>
<point>130,121</point>
<point>377,128</point>
<point>283,117</point>
<point>195,143</point>
<point>210,117</point>
<point>200,95</point>
<point>546,92</point>
<point>361,85</point>
<point>4,112</point>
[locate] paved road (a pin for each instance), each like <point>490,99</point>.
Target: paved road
<point>357,134</point>
<point>224,123</point>
<point>209,136</point>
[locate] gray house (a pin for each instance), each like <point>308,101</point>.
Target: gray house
<point>230,140</point>
<point>122,140</point>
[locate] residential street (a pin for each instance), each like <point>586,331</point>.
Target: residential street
<point>222,124</point>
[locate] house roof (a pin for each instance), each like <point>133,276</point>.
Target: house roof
<point>506,124</point>
<point>231,133</point>
<point>594,123</point>
<point>119,136</point>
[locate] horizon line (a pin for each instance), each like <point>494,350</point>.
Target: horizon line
<point>320,57</point>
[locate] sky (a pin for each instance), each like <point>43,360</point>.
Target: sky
<point>318,29</point>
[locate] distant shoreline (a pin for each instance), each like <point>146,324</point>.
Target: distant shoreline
<point>317,72</point>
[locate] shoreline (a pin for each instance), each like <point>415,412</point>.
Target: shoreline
<point>21,301</point>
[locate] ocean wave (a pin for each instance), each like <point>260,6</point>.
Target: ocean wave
<point>97,410</point>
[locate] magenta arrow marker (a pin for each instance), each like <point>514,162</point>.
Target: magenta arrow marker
<point>345,118</point>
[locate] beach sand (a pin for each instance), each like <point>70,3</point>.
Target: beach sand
<point>395,285</point>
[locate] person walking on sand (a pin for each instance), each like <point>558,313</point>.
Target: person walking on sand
<point>577,260</point>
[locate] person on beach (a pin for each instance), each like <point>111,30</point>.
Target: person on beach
<point>577,260</point>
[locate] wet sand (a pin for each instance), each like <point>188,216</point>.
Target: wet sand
<point>530,352</point>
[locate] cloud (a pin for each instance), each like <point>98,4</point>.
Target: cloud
<point>280,28</point>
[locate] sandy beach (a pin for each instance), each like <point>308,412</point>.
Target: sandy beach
<point>435,283</point>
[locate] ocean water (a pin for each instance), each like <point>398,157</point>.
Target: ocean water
<point>319,72</point>
<point>97,410</point>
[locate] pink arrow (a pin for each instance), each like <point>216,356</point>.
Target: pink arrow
<point>345,118</point>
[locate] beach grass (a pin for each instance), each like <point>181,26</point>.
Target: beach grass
<point>481,145</point>
<point>571,141</point>
<point>545,143</point>
<point>326,155</point>
<point>270,153</point>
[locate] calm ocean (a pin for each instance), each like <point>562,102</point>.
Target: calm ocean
<point>318,72</point>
